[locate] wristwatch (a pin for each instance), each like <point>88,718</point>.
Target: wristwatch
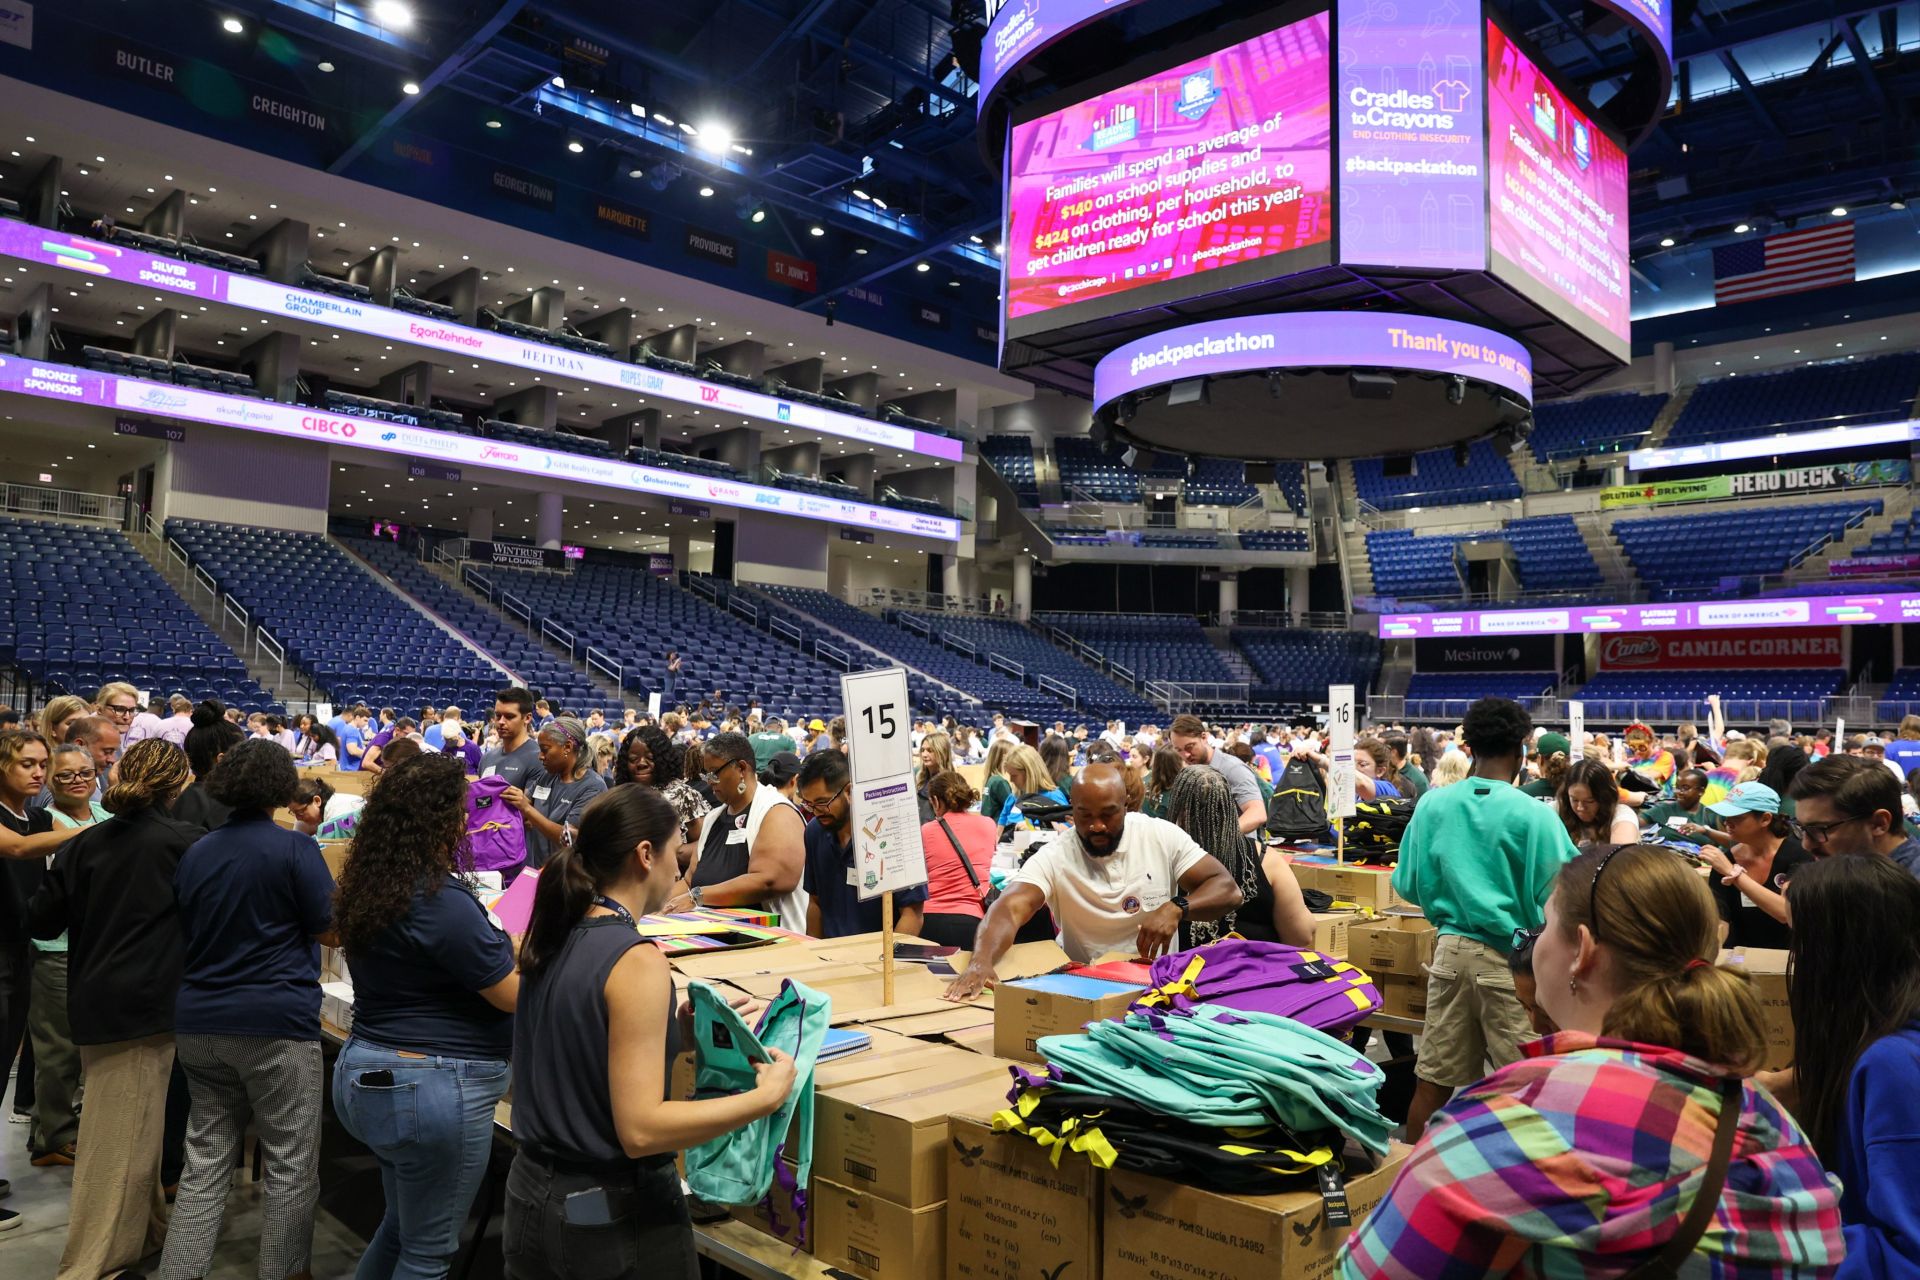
<point>1180,900</point>
<point>697,893</point>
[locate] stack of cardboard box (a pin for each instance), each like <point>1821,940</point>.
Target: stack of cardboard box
<point>1395,950</point>
<point>1768,970</point>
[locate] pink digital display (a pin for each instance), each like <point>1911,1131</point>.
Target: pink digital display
<point>1208,166</point>
<point>1559,198</point>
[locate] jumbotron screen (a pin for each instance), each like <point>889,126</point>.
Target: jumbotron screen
<point>1184,182</point>
<point>1559,199</point>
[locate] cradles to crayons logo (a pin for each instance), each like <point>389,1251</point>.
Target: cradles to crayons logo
<point>1405,109</point>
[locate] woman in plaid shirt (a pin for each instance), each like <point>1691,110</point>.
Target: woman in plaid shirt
<point>1583,1158</point>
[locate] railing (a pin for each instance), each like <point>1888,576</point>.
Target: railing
<point>554,632</point>
<point>781,627</point>
<point>606,666</point>
<point>960,645</point>
<point>919,626</point>
<point>1283,620</point>
<point>1601,709</point>
<point>702,586</point>
<point>478,581</point>
<point>232,610</point>
<point>208,583</point>
<point>517,608</point>
<point>1124,676</point>
<point>1066,692</point>
<point>1182,694</point>
<point>1006,666</point>
<point>742,607</point>
<point>832,653</point>
<point>66,504</point>
<point>264,643</point>
<point>922,601</point>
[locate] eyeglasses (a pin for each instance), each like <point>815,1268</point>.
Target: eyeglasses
<point>68,779</point>
<point>1819,831</point>
<point>711,776</point>
<point>1593,893</point>
<point>121,711</point>
<point>826,806</point>
<point>1522,942</point>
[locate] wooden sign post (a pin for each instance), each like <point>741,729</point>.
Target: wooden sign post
<point>885,808</point>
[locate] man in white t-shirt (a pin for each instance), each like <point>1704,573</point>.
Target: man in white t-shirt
<point>1118,880</point>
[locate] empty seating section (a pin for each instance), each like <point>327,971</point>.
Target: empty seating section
<point>812,484</point>
<point>1297,665</point>
<point>1275,540</point>
<point>395,411</point>
<point>179,372</point>
<point>299,586</point>
<point>167,245</point>
<point>1219,482</point>
<point>1407,565</point>
<point>1012,457</point>
<point>1089,472</point>
<point>1678,696</point>
<point>1437,480</point>
<point>314,280</point>
<point>636,619</point>
<point>1098,694</point>
<point>404,301</point>
<point>1593,424</point>
<point>1292,479</point>
<point>1902,697</point>
<point>681,462</point>
<point>1679,553</point>
<point>1075,535</point>
<point>1192,540</point>
<point>567,338</point>
<point>544,438</point>
<point>889,496</point>
<point>1153,646</point>
<point>1902,536</point>
<point>545,672</point>
<point>1446,697</point>
<point>1840,393</point>
<point>1550,555</point>
<point>81,608</point>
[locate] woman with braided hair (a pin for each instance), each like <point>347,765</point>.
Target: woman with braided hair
<point>1200,804</point>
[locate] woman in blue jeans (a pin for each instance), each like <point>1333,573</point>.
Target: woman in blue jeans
<point>434,991</point>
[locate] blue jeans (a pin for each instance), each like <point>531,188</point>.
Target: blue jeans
<point>431,1129</point>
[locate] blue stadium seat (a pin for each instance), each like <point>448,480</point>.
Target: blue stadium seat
<point>1836,393</point>
<point>1437,480</point>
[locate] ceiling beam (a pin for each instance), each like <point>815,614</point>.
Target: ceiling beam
<point>1870,78</point>
<point>1752,96</point>
<point>801,24</point>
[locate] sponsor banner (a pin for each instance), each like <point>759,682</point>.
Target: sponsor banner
<point>1314,339</point>
<point>660,565</point>
<point>713,247</point>
<point>625,219</point>
<point>99,260</point>
<point>61,382</point>
<point>1827,440</point>
<point>1515,653</point>
<point>291,112</point>
<point>1690,615</point>
<point>1656,492</point>
<point>16,23</point>
<point>1411,159</point>
<point>1791,480</point>
<point>795,273</point>
<point>149,430</point>
<point>1777,649</point>
<point>147,66</point>
<point>1874,565</point>
<point>514,555</point>
<point>523,185</point>
<point>424,153</point>
<point>431,471</point>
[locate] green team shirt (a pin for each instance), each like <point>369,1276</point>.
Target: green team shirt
<point>1657,815</point>
<point>1479,858</point>
<point>767,745</point>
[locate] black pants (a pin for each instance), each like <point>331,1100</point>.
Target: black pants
<point>950,930</point>
<point>16,979</point>
<point>633,1223</point>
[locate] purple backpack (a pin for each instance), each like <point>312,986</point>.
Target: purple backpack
<point>1269,977</point>
<point>496,833</point>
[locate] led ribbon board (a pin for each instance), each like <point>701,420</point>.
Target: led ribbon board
<point>80,386</point>
<point>103,261</point>
<point>1693,615</point>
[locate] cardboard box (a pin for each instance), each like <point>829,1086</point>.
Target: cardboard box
<point>781,1224</point>
<point>860,948</point>
<point>1051,1005</point>
<point>1022,960</point>
<point>865,1235</point>
<point>334,854</point>
<point>1402,997</point>
<point>1154,1229</point>
<point>1010,1214</point>
<point>1768,970</point>
<point>1393,944</point>
<point>1330,932</point>
<point>973,1039</point>
<point>935,1023</point>
<point>784,956</point>
<point>1369,888</point>
<point>857,991</point>
<point>889,1136</point>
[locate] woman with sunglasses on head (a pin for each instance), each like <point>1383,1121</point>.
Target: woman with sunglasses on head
<point>593,1190</point>
<point>1630,1138</point>
<point>1856,1019</point>
<point>753,853</point>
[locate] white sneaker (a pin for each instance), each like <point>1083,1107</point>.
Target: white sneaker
<point>8,1219</point>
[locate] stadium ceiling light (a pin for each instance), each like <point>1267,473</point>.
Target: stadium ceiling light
<point>858,194</point>
<point>816,231</point>
<point>636,172</point>
<point>410,88</point>
<point>706,191</point>
<point>758,215</point>
<point>232,26</point>
<point>326,66</point>
<point>392,13</point>
<point>576,146</point>
<point>922,266</point>
<point>494,122</point>
<point>1666,242</point>
<point>1839,211</point>
<point>714,136</point>
<point>663,119</point>
<point>1742,229</point>
<point>976,239</point>
<point>1898,202</point>
<point>558,82</point>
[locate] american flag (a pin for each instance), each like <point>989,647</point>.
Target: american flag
<point>1790,262</point>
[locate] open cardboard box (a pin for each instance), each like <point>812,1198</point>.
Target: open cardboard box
<point>1394,944</point>
<point>1055,1004</point>
<point>1370,888</point>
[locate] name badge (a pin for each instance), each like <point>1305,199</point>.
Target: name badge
<point>737,836</point>
<point>541,793</point>
<point>489,771</point>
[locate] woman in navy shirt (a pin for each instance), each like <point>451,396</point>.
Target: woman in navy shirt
<point>434,992</point>
<point>254,899</point>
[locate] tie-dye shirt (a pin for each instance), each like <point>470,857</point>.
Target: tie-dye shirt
<point>1580,1161</point>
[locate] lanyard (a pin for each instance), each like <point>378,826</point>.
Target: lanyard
<point>617,909</point>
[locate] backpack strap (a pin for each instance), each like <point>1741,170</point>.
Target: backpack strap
<point>966,863</point>
<point>1666,1264</point>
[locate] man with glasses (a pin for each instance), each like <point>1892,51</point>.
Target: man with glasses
<point>1850,804</point>
<point>1480,858</point>
<point>834,909</point>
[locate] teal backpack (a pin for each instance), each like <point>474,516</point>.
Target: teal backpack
<point>741,1167</point>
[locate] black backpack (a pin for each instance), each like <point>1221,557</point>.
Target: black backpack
<point>1376,828</point>
<point>1298,810</point>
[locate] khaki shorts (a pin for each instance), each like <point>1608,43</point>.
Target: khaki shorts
<point>1475,1022</point>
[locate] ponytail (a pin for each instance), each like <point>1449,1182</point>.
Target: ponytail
<point>611,828</point>
<point>151,774</point>
<point>1658,919</point>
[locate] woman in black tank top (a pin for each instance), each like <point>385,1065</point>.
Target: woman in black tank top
<point>593,1190</point>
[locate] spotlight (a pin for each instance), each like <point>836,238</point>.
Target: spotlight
<point>636,172</point>
<point>922,266</point>
<point>494,122</point>
<point>714,137</point>
<point>410,88</point>
<point>858,194</point>
<point>816,231</point>
<point>576,146</point>
<point>758,215</point>
<point>391,13</point>
<point>1456,389</point>
<point>1839,211</point>
<point>1666,242</point>
<point>233,26</point>
<point>706,191</point>
<point>558,82</point>
<point>1742,229</point>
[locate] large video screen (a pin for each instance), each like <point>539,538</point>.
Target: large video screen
<point>1195,179</point>
<point>1559,199</point>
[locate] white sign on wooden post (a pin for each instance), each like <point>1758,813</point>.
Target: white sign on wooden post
<point>1839,735</point>
<point>1340,733</point>
<point>886,811</point>
<point>1576,731</point>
